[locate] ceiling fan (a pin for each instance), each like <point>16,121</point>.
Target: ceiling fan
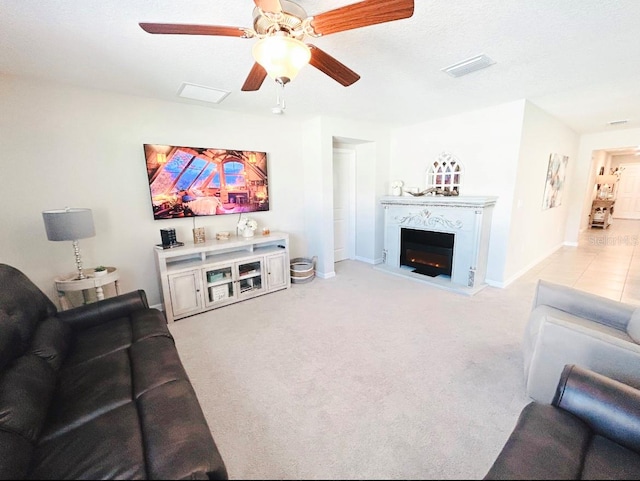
<point>282,25</point>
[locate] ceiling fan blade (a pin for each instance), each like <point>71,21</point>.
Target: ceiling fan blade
<point>190,29</point>
<point>361,14</point>
<point>330,66</point>
<point>271,6</point>
<point>255,78</point>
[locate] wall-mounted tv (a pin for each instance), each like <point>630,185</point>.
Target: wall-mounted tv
<point>197,181</point>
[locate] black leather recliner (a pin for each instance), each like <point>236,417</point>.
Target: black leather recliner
<point>96,392</point>
<point>590,431</point>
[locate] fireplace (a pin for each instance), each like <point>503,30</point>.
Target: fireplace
<point>430,253</point>
<point>460,226</point>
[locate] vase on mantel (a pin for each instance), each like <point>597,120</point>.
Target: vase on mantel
<point>247,233</point>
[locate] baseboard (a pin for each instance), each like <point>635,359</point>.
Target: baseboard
<point>368,260</point>
<point>160,307</point>
<point>523,271</point>
<point>325,275</point>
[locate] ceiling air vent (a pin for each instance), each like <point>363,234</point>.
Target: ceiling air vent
<point>618,122</point>
<point>204,94</point>
<point>470,65</point>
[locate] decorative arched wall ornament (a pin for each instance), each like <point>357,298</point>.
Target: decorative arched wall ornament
<point>445,173</point>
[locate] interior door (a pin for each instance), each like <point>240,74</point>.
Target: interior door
<point>628,194</point>
<point>343,181</point>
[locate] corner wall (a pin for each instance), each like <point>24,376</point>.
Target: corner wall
<point>535,233</point>
<point>487,142</point>
<point>64,146</point>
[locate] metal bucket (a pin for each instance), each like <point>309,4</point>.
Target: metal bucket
<point>303,269</point>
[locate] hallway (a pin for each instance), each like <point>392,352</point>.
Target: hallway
<point>606,263</point>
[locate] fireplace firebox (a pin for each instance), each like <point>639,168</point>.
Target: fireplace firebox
<point>430,253</point>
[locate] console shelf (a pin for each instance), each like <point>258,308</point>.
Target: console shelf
<point>199,277</point>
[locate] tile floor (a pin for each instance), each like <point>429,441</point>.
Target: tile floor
<point>606,262</point>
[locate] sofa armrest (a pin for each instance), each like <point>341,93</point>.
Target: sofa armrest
<point>546,443</point>
<point>558,342</point>
<point>609,407</point>
<point>90,315</point>
<point>584,304</point>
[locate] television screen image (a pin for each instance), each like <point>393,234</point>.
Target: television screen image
<point>196,181</point>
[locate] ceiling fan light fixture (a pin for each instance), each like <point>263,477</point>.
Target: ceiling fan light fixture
<point>281,56</point>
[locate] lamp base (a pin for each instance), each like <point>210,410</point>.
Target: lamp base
<point>76,252</point>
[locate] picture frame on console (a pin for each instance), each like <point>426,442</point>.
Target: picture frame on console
<point>203,181</point>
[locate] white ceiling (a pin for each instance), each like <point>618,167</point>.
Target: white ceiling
<point>577,59</point>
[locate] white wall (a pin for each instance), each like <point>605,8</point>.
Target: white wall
<point>371,143</point>
<point>63,146</point>
<point>536,233</point>
<point>586,171</point>
<point>487,142</point>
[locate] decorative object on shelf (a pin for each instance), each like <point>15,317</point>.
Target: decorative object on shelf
<point>554,183</point>
<point>224,235</point>
<point>435,191</point>
<point>396,187</point>
<point>266,231</point>
<point>100,271</point>
<point>168,237</point>
<point>70,225</point>
<point>247,227</point>
<point>198,233</point>
<point>606,183</point>
<point>445,175</point>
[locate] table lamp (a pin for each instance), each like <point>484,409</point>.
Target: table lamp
<point>606,183</point>
<point>70,225</point>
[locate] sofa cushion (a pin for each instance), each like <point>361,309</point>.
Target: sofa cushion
<point>177,441</point>
<point>109,446</point>
<point>88,390</point>
<point>633,328</point>
<point>26,387</point>
<point>23,304</point>
<point>608,460</point>
<point>10,342</point>
<point>118,334</point>
<point>154,361</point>
<point>15,455</point>
<point>51,342</point>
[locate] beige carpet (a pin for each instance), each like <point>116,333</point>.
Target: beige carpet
<point>366,375</point>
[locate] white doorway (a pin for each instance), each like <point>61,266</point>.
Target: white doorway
<point>344,204</point>
<point>628,193</point>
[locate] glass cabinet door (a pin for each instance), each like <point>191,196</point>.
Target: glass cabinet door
<point>250,278</point>
<point>220,285</point>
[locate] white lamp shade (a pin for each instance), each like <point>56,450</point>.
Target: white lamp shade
<point>282,57</point>
<point>607,179</point>
<point>68,224</point>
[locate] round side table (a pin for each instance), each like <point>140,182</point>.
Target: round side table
<point>69,283</point>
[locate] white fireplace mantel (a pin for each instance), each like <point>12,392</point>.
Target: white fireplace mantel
<point>467,217</point>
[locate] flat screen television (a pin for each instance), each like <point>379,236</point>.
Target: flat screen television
<point>200,181</point>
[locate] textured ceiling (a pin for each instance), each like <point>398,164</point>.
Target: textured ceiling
<point>577,59</point>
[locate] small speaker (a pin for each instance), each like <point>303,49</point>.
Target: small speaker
<point>168,237</point>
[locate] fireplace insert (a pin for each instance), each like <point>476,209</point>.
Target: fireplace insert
<point>430,253</point>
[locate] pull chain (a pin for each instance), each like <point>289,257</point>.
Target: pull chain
<point>280,102</point>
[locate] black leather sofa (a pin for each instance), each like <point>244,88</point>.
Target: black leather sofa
<point>95,392</point>
<point>590,431</point>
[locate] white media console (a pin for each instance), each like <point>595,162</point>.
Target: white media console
<point>200,277</point>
